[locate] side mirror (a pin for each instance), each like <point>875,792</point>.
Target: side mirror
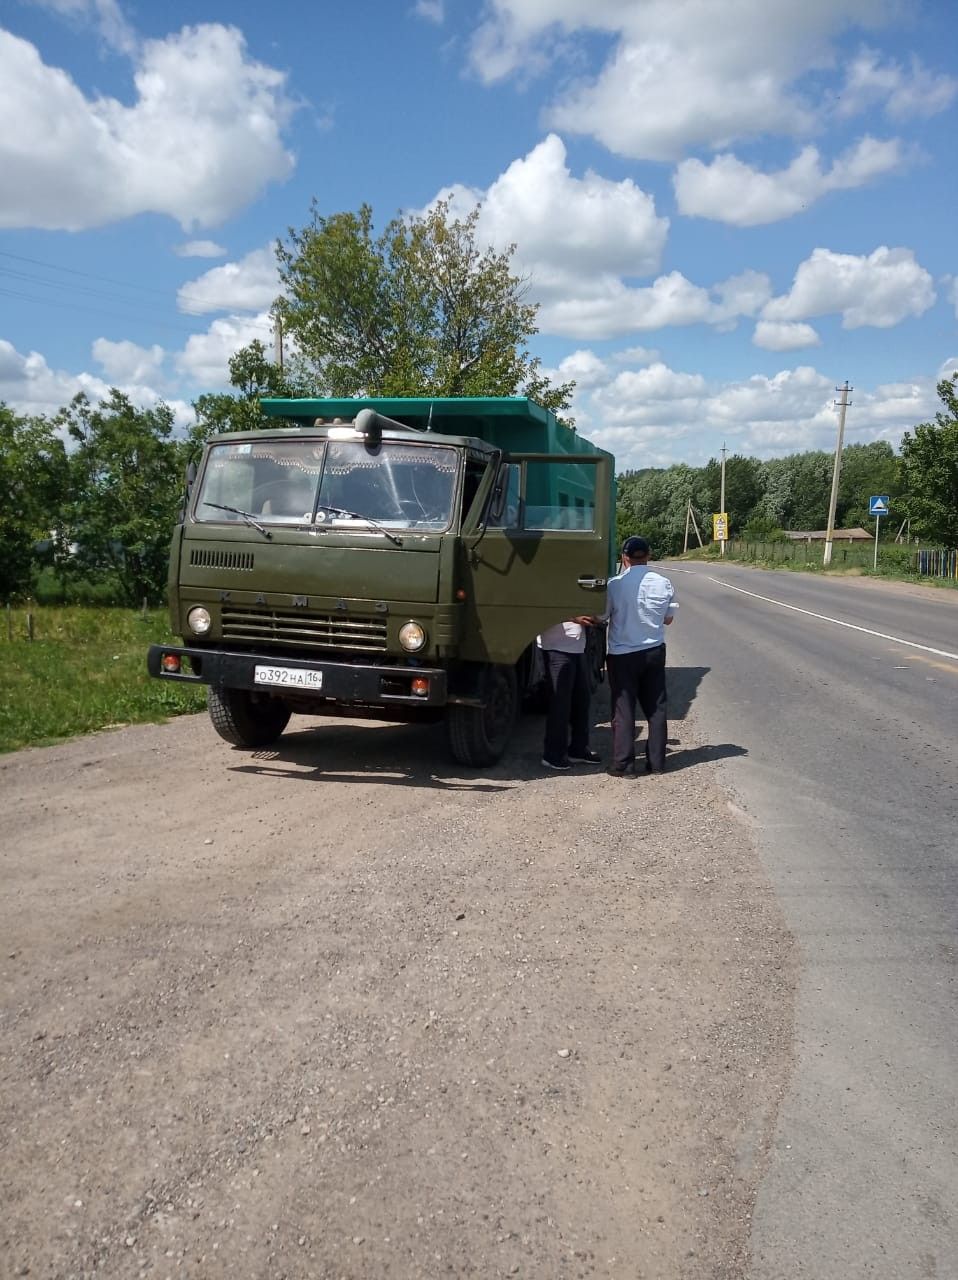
<point>498,501</point>
<point>190,475</point>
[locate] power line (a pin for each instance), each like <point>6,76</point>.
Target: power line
<point>89,275</point>
<point>30,278</point>
<point>60,304</point>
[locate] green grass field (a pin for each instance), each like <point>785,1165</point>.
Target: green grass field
<point>84,669</point>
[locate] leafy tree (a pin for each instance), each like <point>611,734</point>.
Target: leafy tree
<point>761,529</point>
<point>419,310</point>
<point>929,471</point>
<point>744,488</point>
<point>641,506</point>
<point>796,490</point>
<point>125,489</point>
<point>32,464</point>
<point>867,469</point>
<point>254,375</point>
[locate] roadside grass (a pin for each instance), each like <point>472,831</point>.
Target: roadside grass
<point>84,669</point>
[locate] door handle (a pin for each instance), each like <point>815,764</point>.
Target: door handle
<point>593,584</point>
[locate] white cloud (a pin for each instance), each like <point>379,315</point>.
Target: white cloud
<point>199,249</point>
<point>202,139</point>
<point>880,290</point>
<point>612,308</point>
<point>636,355</point>
<point>584,368</point>
<point>904,93</point>
<point>205,358</point>
<point>728,190</point>
<point>430,11</point>
<point>776,335</point>
<point>252,284</point>
<point>565,226</point>
<point>653,102</point>
<point>677,78</point>
<point>654,395</point>
<point>29,386</point>
<point>579,241</point>
<point>951,284</point>
<point>125,362</point>
<point>658,416</point>
<point>106,14</point>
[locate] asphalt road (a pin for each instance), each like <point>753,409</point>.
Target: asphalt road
<point>840,742</point>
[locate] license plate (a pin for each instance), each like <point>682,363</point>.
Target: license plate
<point>291,677</point>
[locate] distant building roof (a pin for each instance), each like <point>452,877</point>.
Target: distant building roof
<point>819,535</point>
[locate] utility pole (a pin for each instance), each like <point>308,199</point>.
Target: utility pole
<point>695,523</point>
<point>722,497</point>
<point>836,472</point>
<point>279,341</point>
<point>688,517</point>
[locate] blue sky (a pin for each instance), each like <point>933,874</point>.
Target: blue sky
<point>725,208</point>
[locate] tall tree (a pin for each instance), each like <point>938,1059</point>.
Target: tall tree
<point>32,468</point>
<point>867,469</point>
<point>253,375</point>
<point>744,488</point>
<point>929,471</point>
<point>421,309</point>
<point>126,486</point>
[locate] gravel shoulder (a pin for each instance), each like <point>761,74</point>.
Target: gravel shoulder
<point>340,1009</point>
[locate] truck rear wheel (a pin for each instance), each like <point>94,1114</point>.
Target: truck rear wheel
<point>245,718</point>
<point>479,735</point>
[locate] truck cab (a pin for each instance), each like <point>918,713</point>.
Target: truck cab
<point>384,558</point>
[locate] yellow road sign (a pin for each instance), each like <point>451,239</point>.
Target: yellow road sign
<point>720,527</point>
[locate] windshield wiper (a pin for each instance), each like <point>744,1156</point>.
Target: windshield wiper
<point>245,514</point>
<point>357,515</point>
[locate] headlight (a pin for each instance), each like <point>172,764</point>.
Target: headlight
<point>412,636</point>
<point>198,620</point>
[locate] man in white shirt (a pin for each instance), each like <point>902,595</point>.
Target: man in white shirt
<point>640,606</point>
<point>567,720</point>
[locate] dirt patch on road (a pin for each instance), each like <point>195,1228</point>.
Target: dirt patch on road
<point>314,1013</point>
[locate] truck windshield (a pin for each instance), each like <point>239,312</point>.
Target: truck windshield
<point>335,484</point>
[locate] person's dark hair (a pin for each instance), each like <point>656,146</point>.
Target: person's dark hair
<point>634,547</point>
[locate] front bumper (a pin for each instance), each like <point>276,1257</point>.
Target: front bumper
<point>342,681</point>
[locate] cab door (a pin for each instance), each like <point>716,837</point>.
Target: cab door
<point>542,556</point>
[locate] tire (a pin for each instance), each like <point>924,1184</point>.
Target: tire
<point>246,719</point>
<point>478,736</point>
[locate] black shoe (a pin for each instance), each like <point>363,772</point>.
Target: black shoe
<point>614,771</point>
<point>560,765</point>
<point>585,757</point>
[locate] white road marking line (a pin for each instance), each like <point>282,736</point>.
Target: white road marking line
<point>823,617</point>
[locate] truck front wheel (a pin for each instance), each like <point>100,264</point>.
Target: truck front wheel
<point>245,718</point>
<point>479,735</point>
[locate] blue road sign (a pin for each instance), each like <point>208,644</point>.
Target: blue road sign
<point>878,505</point>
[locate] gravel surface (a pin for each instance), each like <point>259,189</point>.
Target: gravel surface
<point>340,1009</point>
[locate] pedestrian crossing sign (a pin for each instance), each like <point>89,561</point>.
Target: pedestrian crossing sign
<point>878,505</point>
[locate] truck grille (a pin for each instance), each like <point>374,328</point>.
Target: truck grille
<point>206,558</point>
<point>304,631</point>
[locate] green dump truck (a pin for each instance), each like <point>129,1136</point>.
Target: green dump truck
<point>385,558</point>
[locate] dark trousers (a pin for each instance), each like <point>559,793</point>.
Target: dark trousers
<point>638,677</point>
<point>567,720</point>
